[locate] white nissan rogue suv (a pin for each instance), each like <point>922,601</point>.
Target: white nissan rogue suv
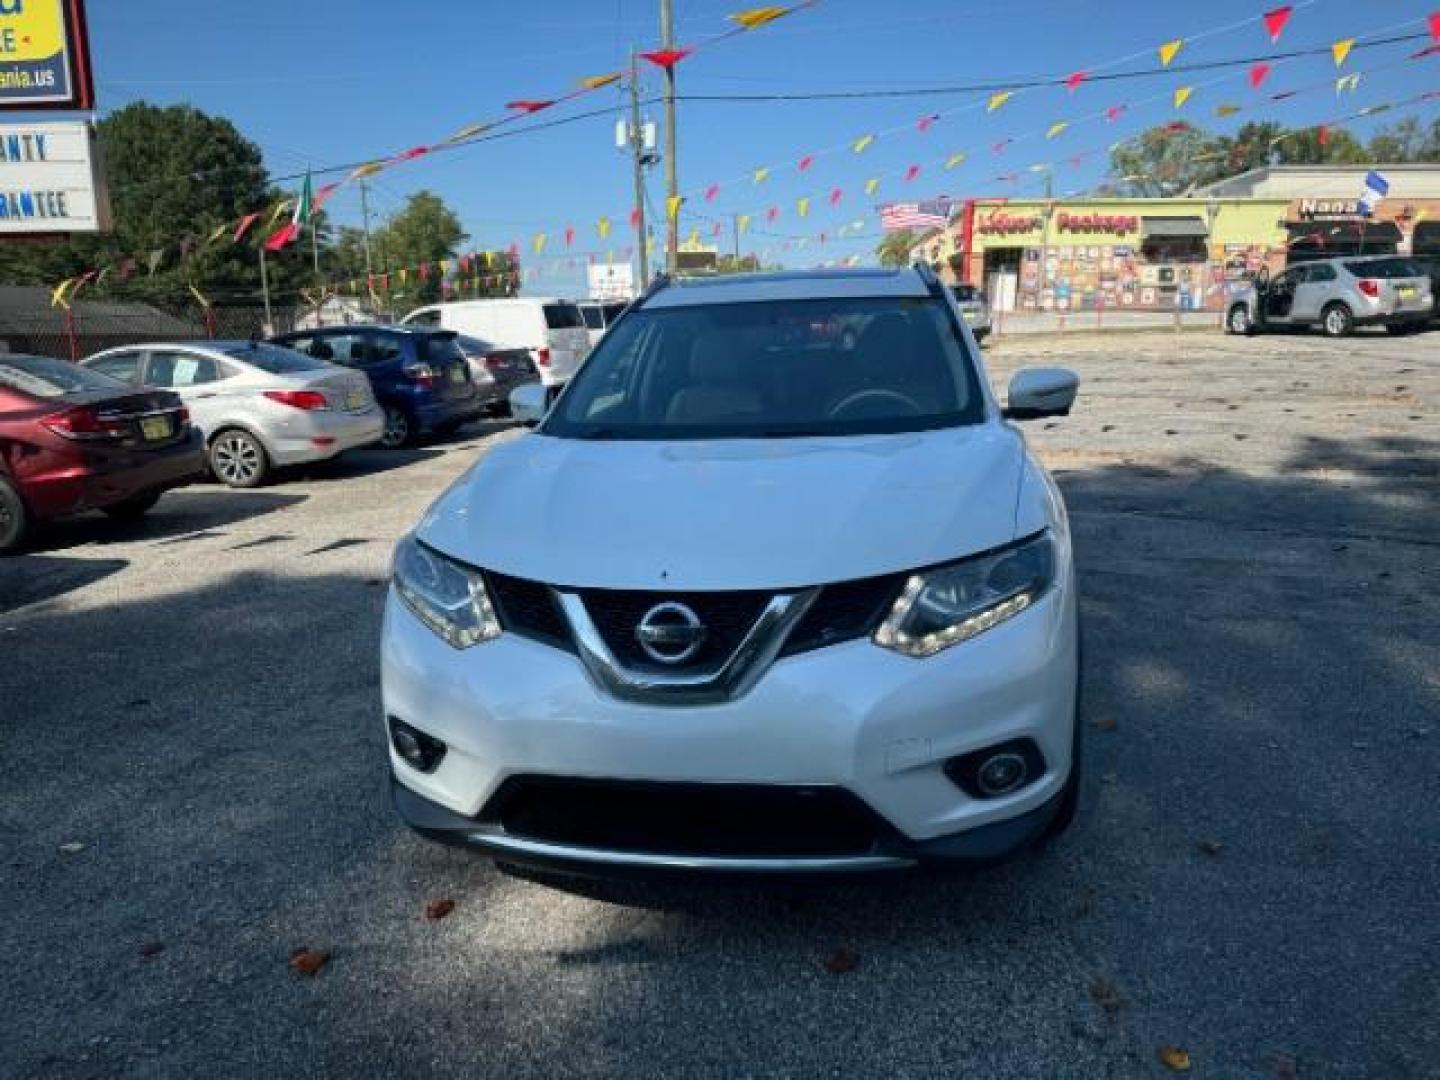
<point>773,586</point>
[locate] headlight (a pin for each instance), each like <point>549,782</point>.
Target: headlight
<point>444,595</point>
<point>944,607</point>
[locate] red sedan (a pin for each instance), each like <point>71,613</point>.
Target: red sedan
<point>74,440</point>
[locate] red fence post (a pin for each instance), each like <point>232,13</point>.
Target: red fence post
<point>72,334</point>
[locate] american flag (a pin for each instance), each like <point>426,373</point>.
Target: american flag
<point>917,216</point>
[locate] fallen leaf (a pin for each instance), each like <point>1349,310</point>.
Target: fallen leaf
<point>308,961</point>
<point>1174,1059</point>
<point>841,961</point>
<point>438,909</point>
<point>1283,1066</point>
<point>1107,724</point>
<point>152,948</point>
<point>74,847</point>
<point>1107,995</point>
<point>1211,847</point>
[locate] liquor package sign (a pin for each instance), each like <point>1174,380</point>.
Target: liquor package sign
<point>49,180</point>
<point>44,55</point>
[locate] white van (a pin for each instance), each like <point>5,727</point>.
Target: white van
<point>552,329</point>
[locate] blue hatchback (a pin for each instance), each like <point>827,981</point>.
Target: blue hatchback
<point>420,377</point>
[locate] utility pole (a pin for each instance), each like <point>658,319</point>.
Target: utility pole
<point>265,291</point>
<point>672,183</point>
<point>637,152</point>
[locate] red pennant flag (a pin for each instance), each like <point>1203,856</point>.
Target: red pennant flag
<point>1075,78</point>
<point>321,195</point>
<point>425,271</point>
<point>1113,113</point>
<point>836,196</point>
<point>1175,127</point>
<point>807,161</point>
<point>635,217</point>
<point>716,231</point>
<point>569,235</point>
<point>999,147</point>
<point>1275,21</point>
<point>1322,133</point>
<point>711,192</point>
<point>282,236</point>
<point>926,122</point>
<point>1435,26</point>
<point>912,172</point>
<point>1076,160</point>
<point>528,106</point>
<point>465,264</point>
<point>411,154</point>
<point>514,251</point>
<point>666,58</point>
<point>772,213</point>
<point>244,226</point>
<point>1258,75</point>
<point>385,281</point>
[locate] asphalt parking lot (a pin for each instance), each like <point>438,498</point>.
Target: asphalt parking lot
<point>191,787</point>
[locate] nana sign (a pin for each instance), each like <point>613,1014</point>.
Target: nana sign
<point>44,55</point>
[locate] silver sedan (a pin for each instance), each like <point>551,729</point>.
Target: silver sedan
<point>259,406</point>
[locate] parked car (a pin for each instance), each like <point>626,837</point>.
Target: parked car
<point>496,370</point>
<point>73,440</point>
<point>1430,263</point>
<point>552,329</point>
<point>975,308</point>
<point>1337,295</point>
<point>420,377</point>
<point>598,315</point>
<point>748,600</point>
<point>258,406</point>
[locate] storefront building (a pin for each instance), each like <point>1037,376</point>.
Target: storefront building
<point>1110,254</point>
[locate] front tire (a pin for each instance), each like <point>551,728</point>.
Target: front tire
<point>399,431</point>
<point>238,460</point>
<point>14,518</point>
<point>134,507</point>
<point>1237,321</point>
<point>1336,321</point>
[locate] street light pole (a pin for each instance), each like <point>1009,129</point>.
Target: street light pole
<point>637,153</point>
<point>672,183</point>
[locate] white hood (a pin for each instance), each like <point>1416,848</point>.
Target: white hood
<point>730,514</point>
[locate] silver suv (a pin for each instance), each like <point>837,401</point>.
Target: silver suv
<point>1337,295</point>
<point>974,307</point>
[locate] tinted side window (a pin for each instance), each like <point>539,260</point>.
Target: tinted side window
<point>423,318</point>
<point>593,318</point>
<point>1321,272</point>
<point>563,317</point>
<point>385,347</point>
<point>123,366</point>
<point>1385,268</point>
<point>346,349</point>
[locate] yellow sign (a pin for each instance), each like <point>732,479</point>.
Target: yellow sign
<point>37,65</point>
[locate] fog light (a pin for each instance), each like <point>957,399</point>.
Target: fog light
<point>420,751</point>
<point>1001,774</point>
<point>997,770</point>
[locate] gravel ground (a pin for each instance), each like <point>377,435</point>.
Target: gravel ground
<point>191,788</point>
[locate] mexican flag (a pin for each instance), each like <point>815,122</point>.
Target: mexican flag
<point>290,232</point>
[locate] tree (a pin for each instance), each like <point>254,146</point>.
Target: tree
<point>175,174</point>
<point>1405,141</point>
<point>425,231</point>
<point>1166,160</point>
<point>895,248</point>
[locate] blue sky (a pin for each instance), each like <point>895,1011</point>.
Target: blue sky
<point>334,81</point>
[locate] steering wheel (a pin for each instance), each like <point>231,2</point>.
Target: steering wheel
<point>861,396</point>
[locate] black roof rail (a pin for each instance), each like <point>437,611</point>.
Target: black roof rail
<point>658,282</point>
<point>932,280</point>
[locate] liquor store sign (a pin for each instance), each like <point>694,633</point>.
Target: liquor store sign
<point>44,55</point>
<point>49,180</point>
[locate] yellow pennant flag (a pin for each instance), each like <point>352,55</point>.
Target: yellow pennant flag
<point>871,185</point>
<point>281,207</point>
<point>469,131</point>
<point>996,100</point>
<point>609,256</point>
<point>444,267</point>
<point>1043,166</point>
<point>1168,51</point>
<point>1182,95</point>
<point>538,243</point>
<point>595,82</point>
<point>1223,111</point>
<point>672,205</point>
<point>1349,82</point>
<point>220,230</point>
<point>1056,128</point>
<point>199,296</point>
<point>743,223</point>
<point>57,294</point>
<point>370,168</point>
<point>404,274</point>
<point>802,205</point>
<point>1341,49</point>
<point>761,174</point>
<point>750,18</point>
<point>603,227</point>
<point>954,159</point>
<point>861,143</point>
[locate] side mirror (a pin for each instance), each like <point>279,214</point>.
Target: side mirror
<point>1036,392</point>
<point>527,404</point>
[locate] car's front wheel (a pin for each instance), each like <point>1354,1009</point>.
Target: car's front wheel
<point>137,506</point>
<point>14,519</point>
<point>1238,320</point>
<point>238,460</point>
<point>1336,321</point>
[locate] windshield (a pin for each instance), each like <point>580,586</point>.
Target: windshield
<point>765,370</point>
<point>40,376</point>
<point>275,359</point>
<point>1384,268</point>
